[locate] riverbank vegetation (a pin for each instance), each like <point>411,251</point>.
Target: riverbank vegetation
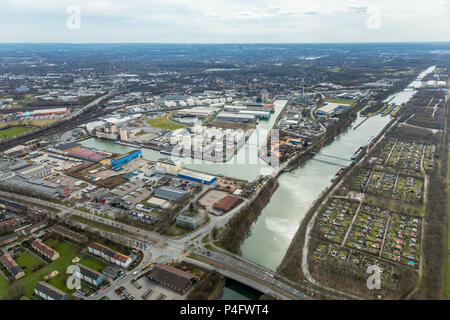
<point>208,288</point>
<point>236,229</point>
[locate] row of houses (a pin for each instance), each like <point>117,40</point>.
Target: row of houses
<point>9,223</point>
<point>69,234</point>
<point>13,268</point>
<point>44,249</point>
<point>109,254</point>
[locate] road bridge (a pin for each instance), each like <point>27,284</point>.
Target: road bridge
<point>330,156</point>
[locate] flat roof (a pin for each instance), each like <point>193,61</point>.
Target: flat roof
<point>196,174</point>
<point>235,115</point>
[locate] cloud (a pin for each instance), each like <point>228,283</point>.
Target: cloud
<point>195,20</point>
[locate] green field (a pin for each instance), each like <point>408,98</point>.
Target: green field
<point>163,123</point>
<point>13,131</point>
<point>334,69</point>
<point>343,101</point>
<point>27,261</point>
<point>67,252</point>
<point>4,284</point>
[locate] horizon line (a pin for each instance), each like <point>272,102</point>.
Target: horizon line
<point>231,43</point>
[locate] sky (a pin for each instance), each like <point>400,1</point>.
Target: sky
<point>224,21</point>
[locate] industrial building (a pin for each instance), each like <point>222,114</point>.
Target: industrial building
<point>170,193</point>
<point>172,278</point>
<point>331,108</point>
<point>125,158</point>
<point>196,176</point>
<point>190,220</point>
<point>49,292</point>
<point>131,199</point>
<point>127,187</point>
<point>226,204</point>
<point>158,203</point>
<point>256,113</point>
<point>234,108</point>
<point>200,112</point>
<point>234,117</point>
<point>169,166</point>
<point>88,154</point>
<point>33,186</point>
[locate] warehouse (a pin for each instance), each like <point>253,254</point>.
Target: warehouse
<point>127,188</point>
<point>235,108</point>
<point>330,108</point>
<point>172,278</point>
<point>196,176</point>
<point>226,204</point>
<point>49,292</point>
<point>170,193</point>
<point>158,203</point>
<point>88,154</point>
<point>233,117</point>
<point>166,165</point>
<point>135,196</point>
<point>46,112</point>
<point>33,187</point>
<point>190,220</point>
<point>199,112</point>
<point>256,113</point>
<point>125,158</point>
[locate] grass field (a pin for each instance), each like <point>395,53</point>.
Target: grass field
<point>343,101</point>
<point>27,261</point>
<point>334,69</point>
<point>67,252</point>
<point>13,131</point>
<point>4,284</point>
<point>163,123</point>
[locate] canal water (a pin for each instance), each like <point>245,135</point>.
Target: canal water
<point>270,235</point>
<point>234,290</point>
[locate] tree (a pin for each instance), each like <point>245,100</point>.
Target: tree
<point>214,232</point>
<point>15,291</point>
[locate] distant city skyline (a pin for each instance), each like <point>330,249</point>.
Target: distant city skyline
<point>224,21</point>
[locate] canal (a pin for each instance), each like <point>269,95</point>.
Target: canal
<point>270,235</point>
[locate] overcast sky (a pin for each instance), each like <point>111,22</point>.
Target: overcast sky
<point>224,21</point>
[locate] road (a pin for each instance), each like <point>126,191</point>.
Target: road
<point>177,248</point>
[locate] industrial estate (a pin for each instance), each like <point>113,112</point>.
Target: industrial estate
<point>236,173</point>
